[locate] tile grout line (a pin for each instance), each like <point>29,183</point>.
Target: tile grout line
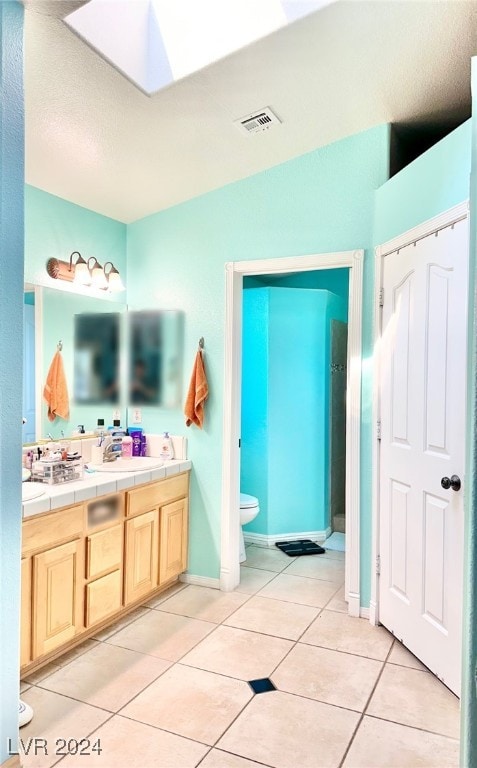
<point>413,727</point>
<point>88,736</point>
<point>362,714</point>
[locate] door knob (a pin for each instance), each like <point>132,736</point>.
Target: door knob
<point>452,482</point>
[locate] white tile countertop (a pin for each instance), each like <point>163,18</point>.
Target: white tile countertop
<point>98,484</point>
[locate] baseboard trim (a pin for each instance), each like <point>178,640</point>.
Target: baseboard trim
<point>364,613</point>
<point>200,581</point>
<point>263,540</point>
<point>373,613</point>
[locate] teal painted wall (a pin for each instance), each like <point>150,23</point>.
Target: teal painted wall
<point>433,183</point>
<point>334,280</point>
<point>469,660</point>
<point>11,355</point>
<point>285,431</point>
<point>317,203</point>
<point>55,228</point>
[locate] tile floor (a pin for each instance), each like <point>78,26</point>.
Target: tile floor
<point>166,687</point>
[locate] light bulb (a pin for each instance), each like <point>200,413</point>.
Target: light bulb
<point>82,275</point>
<point>98,277</point>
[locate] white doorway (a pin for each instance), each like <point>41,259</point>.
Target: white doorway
<point>230,525</point>
<point>422,416</point>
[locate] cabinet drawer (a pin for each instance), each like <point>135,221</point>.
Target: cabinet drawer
<point>105,510</point>
<point>155,495</point>
<point>103,598</point>
<point>45,532</point>
<point>104,551</point>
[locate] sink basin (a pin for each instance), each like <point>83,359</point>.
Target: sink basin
<point>135,464</point>
<point>26,474</point>
<point>32,491</point>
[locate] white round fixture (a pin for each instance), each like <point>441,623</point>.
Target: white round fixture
<point>249,509</point>
<point>25,713</point>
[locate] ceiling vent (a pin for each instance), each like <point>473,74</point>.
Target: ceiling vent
<point>258,121</point>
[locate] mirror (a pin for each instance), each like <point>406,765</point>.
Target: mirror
<point>155,358</point>
<point>50,317</point>
<point>111,357</point>
<point>97,342</point>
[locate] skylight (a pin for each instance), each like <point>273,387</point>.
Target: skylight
<point>155,42</point>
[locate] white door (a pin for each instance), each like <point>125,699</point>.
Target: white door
<point>423,393</point>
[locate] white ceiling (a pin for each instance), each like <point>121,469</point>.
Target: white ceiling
<point>93,138</point>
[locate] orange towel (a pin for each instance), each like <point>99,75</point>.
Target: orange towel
<point>197,394</point>
<point>55,391</point>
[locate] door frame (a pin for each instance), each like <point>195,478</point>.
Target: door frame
<point>429,227</point>
<point>230,510</point>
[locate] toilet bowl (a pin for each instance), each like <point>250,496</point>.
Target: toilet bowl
<point>249,509</point>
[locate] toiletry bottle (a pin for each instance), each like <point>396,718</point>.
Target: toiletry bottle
<point>135,433</point>
<point>143,445</point>
<point>100,428</point>
<point>127,447</point>
<point>167,451</point>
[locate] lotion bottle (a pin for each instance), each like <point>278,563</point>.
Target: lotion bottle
<point>167,451</point>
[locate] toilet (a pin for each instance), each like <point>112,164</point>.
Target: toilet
<point>249,509</point>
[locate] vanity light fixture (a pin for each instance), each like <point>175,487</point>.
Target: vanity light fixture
<point>115,284</point>
<point>89,273</point>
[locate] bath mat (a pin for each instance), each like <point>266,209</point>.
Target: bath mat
<point>337,542</point>
<point>300,547</point>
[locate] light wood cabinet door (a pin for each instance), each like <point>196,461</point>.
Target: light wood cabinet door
<point>25,641</point>
<point>173,540</point>
<point>57,596</point>
<point>141,556</point>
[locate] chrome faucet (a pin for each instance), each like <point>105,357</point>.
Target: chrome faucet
<point>110,452</point>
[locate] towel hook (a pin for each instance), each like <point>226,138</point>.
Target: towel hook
<point>201,342</point>
<point>59,346</point>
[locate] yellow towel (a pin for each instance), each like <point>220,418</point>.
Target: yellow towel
<point>197,394</point>
<point>55,391</point>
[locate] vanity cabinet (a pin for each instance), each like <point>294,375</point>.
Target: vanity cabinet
<point>85,566</point>
<point>57,596</point>
<point>142,553</point>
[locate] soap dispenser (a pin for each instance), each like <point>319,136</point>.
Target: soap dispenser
<point>167,450</point>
